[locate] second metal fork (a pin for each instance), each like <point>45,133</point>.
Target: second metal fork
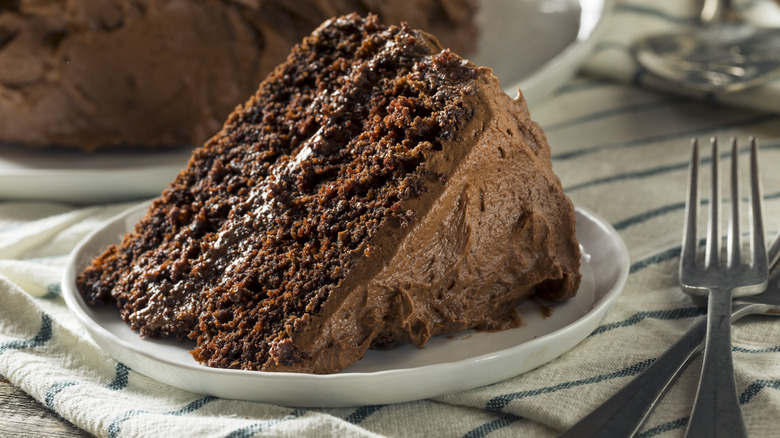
<point>716,410</point>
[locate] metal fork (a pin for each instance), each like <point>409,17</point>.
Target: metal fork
<point>623,414</point>
<point>716,409</point>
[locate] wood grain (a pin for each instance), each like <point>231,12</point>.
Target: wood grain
<point>21,416</point>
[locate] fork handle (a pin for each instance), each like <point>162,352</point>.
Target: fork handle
<point>716,410</point>
<point>622,414</point>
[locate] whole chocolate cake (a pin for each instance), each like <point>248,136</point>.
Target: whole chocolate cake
<point>376,190</point>
<point>96,74</point>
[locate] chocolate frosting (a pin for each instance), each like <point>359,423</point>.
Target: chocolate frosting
<point>494,228</point>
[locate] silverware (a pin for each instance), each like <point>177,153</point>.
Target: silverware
<point>623,413</point>
<point>721,55</point>
<point>716,409</point>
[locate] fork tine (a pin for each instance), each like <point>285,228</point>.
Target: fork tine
<point>758,245</point>
<point>734,256</point>
<point>713,222</point>
<point>690,242</point>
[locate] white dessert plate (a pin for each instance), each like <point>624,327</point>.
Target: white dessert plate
<point>54,174</point>
<point>536,45</point>
<point>447,364</point>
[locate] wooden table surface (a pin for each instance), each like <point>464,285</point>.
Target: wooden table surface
<point>21,416</point>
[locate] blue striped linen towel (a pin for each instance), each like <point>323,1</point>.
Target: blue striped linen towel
<point>620,151</point>
<point>630,20</point>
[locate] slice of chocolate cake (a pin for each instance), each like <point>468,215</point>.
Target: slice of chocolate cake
<point>376,190</point>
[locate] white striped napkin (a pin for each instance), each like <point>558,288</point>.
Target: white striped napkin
<point>620,151</point>
<point>631,20</point>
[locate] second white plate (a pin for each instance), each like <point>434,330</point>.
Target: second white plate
<point>447,364</point>
<point>536,45</point>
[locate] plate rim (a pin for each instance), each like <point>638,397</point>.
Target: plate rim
<point>101,335</point>
<point>539,84</point>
